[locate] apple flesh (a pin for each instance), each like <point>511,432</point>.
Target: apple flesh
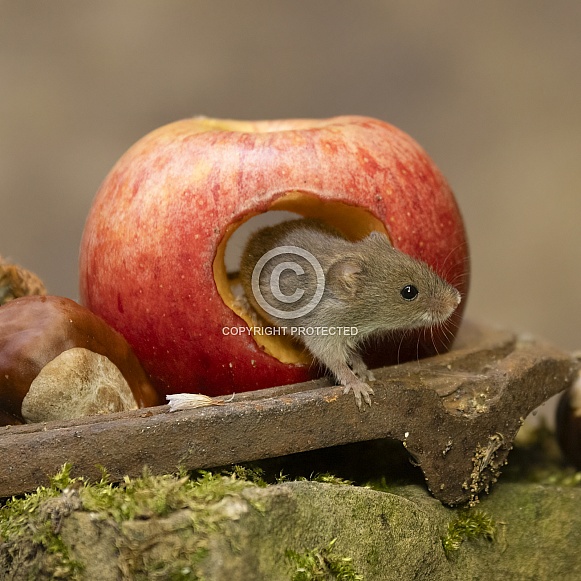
<point>152,253</point>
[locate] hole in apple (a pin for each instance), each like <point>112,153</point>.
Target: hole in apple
<point>353,221</point>
<point>237,241</point>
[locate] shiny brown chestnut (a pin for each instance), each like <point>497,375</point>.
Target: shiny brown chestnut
<point>60,361</point>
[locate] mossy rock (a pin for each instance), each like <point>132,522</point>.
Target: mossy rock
<point>217,527</point>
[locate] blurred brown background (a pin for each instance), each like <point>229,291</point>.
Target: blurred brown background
<point>492,91</point>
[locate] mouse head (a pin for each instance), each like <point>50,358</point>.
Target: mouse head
<point>386,289</point>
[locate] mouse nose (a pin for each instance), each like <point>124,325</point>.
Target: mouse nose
<point>453,300</point>
<point>443,306</point>
<point>457,297</point>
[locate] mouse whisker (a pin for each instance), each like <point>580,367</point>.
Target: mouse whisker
<point>452,327</point>
<point>418,345</point>
<point>459,279</point>
<point>403,336</point>
<point>434,340</point>
<point>447,267</point>
<point>453,251</point>
<point>445,331</point>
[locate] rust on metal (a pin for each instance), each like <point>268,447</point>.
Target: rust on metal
<point>456,414</point>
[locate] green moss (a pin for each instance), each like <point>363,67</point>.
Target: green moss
<point>150,496</point>
<point>133,498</point>
<point>566,477</point>
<point>325,478</point>
<point>251,473</point>
<point>264,474</point>
<point>320,564</point>
<point>382,485</point>
<point>184,569</point>
<point>30,525</point>
<point>468,525</point>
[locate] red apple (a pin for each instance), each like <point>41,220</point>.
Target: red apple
<point>152,254</point>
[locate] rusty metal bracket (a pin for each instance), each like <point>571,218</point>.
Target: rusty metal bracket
<point>456,414</point>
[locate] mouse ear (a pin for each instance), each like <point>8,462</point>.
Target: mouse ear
<point>376,235</point>
<point>344,277</point>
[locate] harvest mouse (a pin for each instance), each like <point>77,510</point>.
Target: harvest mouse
<point>331,294</point>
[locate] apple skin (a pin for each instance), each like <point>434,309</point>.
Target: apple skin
<point>147,252</point>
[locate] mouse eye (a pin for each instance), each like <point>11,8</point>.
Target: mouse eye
<point>409,292</point>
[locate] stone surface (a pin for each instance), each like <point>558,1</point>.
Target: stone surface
<point>456,414</point>
<point>398,535</point>
<point>77,383</point>
<point>539,534</point>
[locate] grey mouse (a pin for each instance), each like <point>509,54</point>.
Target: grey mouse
<point>331,294</point>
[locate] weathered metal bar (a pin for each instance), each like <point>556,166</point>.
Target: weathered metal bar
<point>456,414</point>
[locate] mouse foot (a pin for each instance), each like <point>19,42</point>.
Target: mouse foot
<point>364,374</point>
<point>360,369</point>
<point>360,390</point>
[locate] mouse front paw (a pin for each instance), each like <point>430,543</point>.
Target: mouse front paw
<point>360,369</point>
<point>365,374</point>
<point>360,390</point>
